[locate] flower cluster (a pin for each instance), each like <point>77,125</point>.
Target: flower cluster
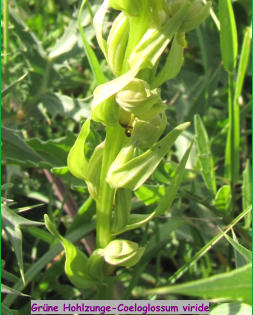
<point>131,108</point>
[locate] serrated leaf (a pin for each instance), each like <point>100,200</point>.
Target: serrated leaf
<point>221,286</point>
<point>134,173</point>
<point>205,155</point>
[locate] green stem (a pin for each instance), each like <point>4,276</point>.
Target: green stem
<point>232,159</point>
<point>113,143</point>
<point>6,48</point>
<point>6,37</point>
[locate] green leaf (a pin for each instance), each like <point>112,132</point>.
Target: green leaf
<point>134,173</point>
<point>243,63</point>
<point>223,198</point>
<point>77,162</point>
<point>53,151</point>
<point>205,155</point>
<point>135,221</point>
<point>122,210</point>
<point>172,65</point>
<point>8,290</point>
<point>247,192</point>
<point>93,61</point>
<point>243,251</point>
<point>12,85</point>
<point>76,261</point>
<point>232,309</point>
<point>228,35</point>
<point>150,194</point>
<point>11,223</point>
<point>206,248</point>
<point>171,191</point>
<point>16,151</point>
<point>43,261</point>
<point>220,286</point>
<point>98,25</point>
<point>59,104</point>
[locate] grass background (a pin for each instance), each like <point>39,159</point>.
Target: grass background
<point>47,86</point>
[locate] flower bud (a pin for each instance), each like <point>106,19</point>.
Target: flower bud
<point>147,132</point>
<point>117,42</point>
<point>131,7</point>
<point>137,98</point>
<point>123,253</point>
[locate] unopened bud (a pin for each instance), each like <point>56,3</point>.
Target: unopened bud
<point>123,253</point>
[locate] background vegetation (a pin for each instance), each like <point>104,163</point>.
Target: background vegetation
<point>47,87</point>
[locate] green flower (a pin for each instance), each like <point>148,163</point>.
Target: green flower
<point>138,99</point>
<point>123,253</point>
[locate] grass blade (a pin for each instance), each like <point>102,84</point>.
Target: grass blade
<point>206,248</point>
<point>218,286</point>
<point>228,35</point>
<point>247,192</point>
<point>243,63</point>
<point>47,258</point>
<point>93,61</point>
<point>171,191</point>
<point>205,155</point>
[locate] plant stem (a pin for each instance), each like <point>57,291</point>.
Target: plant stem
<point>6,38</point>
<point>6,48</point>
<point>232,158</point>
<point>113,143</point>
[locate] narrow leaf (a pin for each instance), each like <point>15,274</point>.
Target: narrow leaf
<point>134,173</point>
<point>243,63</point>
<point>220,286</point>
<point>93,61</point>
<point>8,290</point>
<point>98,25</point>
<point>243,251</point>
<point>228,35</point>
<point>171,191</point>
<point>135,221</point>
<point>205,155</point>
<point>247,192</point>
<point>12,85</point>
